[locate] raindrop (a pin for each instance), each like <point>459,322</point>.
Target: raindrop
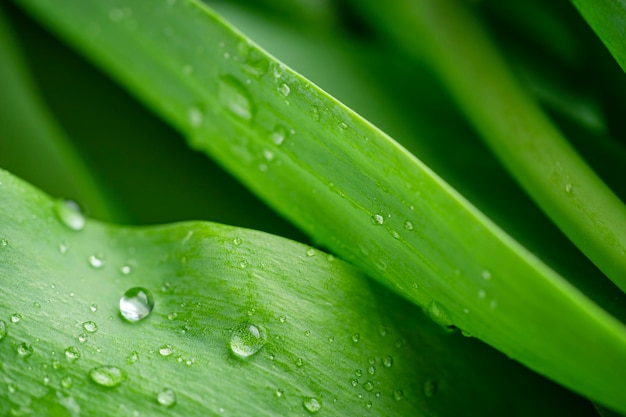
<point>166,350</point>
<point>136,304</point>
<point>24,350</point>
<point>284,89</point>
<point>310,252</point>
<point>236,97</point>
<point>493,304</point>
<point>378,219</point>
<point>243,264</point>
<point>482,294</point>
<point>70,214</point>
<point>388,361</point>
<point>356,337</point>
<point>355,382</point>
<point>132,358</point>
<point>63,247</point>
<point>195,117</point>
<point>247,339</point>
<point>90,326</point>
<point>569,188</point>
<point>93,308</point>
<point>126,269</point>
<point>398,394</point>
<point>72,353</point>
<point>96,261</point>
<point>3,329</point>
<point>11,388</point>
<point>172,316</point>
<point>358,373</point>
<point>279,392</point>
<point>3,243</point>
<point>368,404</point>
<point>343,126</point>
<point>237,241</point>
<point>368,385</point>
<point>67,382</point>
<point>299,362</point>
<point>438,314</point>
<point>282,319</point>
<point>16,318</point>
<point>408,225</point>
<point>82,338</point>
<point>395,234</point>
<point>107,376</point>
<point>167,397</point>
<point>430,388</point>
<point>312,405</point>
<point>371,370</point>
<point>315,113</point>
<point>278,135</point>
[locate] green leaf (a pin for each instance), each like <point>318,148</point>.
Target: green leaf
<point>347,185</point>
<point>323,334</point>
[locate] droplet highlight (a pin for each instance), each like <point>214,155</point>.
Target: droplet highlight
<point>247,339</point>
<point>136,304</point>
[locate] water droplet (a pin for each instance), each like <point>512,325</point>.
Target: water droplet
<point>569,188</point>
<point>368,386</point>
<point>371,370</point>
<point>408,225</point>
<point>398,394</point>
<point>126,269</point>
<point>96,261</point>
<point>136,304</point>
<point>312,405</point>
<point>90,326</point>
<point>355,382</point>
<point>46,380</point>
<point>93,308</point>
<point>82,338</point>
<point>70,214</point>
<point>195,117</point>
<point>67,382</point>
<point>493,304</point>
<point>237,241</point>
<point>172,316</point>
<point>394,234</point>
<point>167,397</point>
<point>36,305</point>
<point>56,364</point>
<point>4,243</point>
<point>378,219</point>
<point>243,264</point>
<point>356,337</point>
<point>247,339</point>
<point>63,247</point>
<point>284,89</point>
<point>282,319</point>
<point>430,388</point>
<point>438,314</point>
<point>310,252</point>
<point>368,404</point>
<point>358,373</point>
<point>72,353</point>
<point>24,350</point>
<point>166,350</point>
<point>12,388</point>
<point>236,97</point>
<point>388,361</point>
<point>107,376</point>
<point>315,113</point>
<point>486,275</point>
<point>278,135</point>
<point>279,392</point>
<point>307,333</point>
<point>482,294</point>
<point>132,358</point>
<point>3,329</point>
<point>16,318</point>
<point>343,126</point>
<point>299,362</point>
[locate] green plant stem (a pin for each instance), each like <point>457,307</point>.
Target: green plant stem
<point>514,127</point>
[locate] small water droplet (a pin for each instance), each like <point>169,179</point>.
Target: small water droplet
<point>36,305</point>
<point>166,350</point>
<point>93,308</point>
<point>90,326</point>
<point>358,373</point>
<point>278,135</point>
<point>299,362</point>
<point>368,404</point>
<point>16,318</point>
<point>3,329</point>
<point>430,388</point>
<point>438,314</point>
<point>408,225</point>
<point>132,358</point>
<point>368,386</point>
<point>195,117</point>
<point>343,126</point>
<point>371,370</point>
<point>569,188</point>
<point>243,264</point>
<point>82,338</point>
<point>46,380</point>
<point>167,397</point>
<point>12,388</point>
<point>486,275</point>
<point>284,89</point>
<point>247,339</point>
<point>378,219</point>
<point>493,304</point>
<point>394,234</point>
<point>307,333</point>
<point>310,252</point>
<point>354,382</point>
<point>398,394</point>
<point>482,294</point>
<point>136,304</point>
<point>237,241</point>
<point>24,350</point>
<point>356,337</point>
<point>72,353</point>
<point>312,405</point>
<point>279,392</point>
<point>315,113</point>
<point>96,261</point>
<point>126,269</point>
<point>56,364</point>
<point>69,214</point>
<point>107,376</point>
<point>172,316</point>
<point>236,97</point>
<point>282,319</point>
<point>4,243</point>
<point>388,361</point>
<point>67,382</point>
<point>63,247</point>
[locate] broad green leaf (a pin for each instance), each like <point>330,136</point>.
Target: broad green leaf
<point>347,185</point>
<point>327,336</point>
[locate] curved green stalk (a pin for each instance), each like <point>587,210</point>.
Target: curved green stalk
<point>329,333</point>
<point>347,184</point>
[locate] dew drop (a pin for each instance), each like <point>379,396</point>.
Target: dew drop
<point>236,97</point>
<point>69,214</point>
<point>3,329</point>
<point>279,392</point>
<point>24,350</point>
<point>4,243</point>
<point>278,135</point>
<point>16,318</point>
<point>408,225</point>
<point>136,304</point>
<point>247,339</point>
<point>299,362</point>
<point>368,404</point>
<point>368,386</point>
<point>12,388</point>
<point>371,370</point>
<point>358,373</point>
<point>310,252</point>
<point>90,326</point>
<point>569,188</point>
<point>166,350</point>
<point>96,261</point>
<point>430,388</point>
<point>107,376</point>
<point>355,382</point>
<point>284,89</point>
<point>237,241</point>
<point>394,234</point>
<point>312,405</point>
<point>82,338</point>
<point>67,382</point>
<point>388,361</point>
<point>195,117</point>
<point>398,394</point>
<point>315,113</point>
<point>343,126</point>
<point>282,319</point>
<point>486,275</point>
<point>93,308</point>
<point>482,294</point>
<point>356,337</point>
<point>438,314</point>
<point>72,353</point>
<point>167,397</point>
<point>126,269</point>
<point>378,219</point>
<point>132,358</point>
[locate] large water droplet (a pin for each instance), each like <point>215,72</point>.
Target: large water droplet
<point>90,326</point>
<point>438,314</point>
<point>24,350</point>
<point>107,376</point>
<point>312,405</point>
<point>247,340</point>
<point>3,329</point>
<point>167,397</point>
<point>236,97</point>
<point>72,353</point>
<point>136,304</point>
<point>70,214</point>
